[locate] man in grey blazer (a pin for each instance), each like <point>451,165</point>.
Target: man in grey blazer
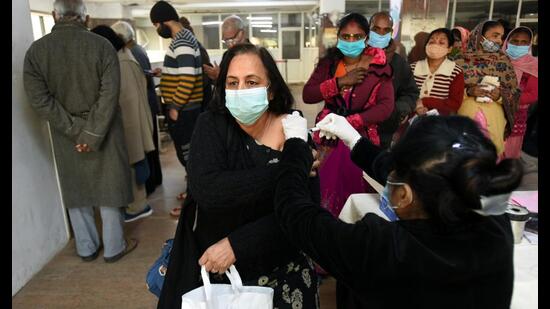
<point>72,80</point>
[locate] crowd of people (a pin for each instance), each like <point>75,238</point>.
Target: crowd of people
<point>444,134</point>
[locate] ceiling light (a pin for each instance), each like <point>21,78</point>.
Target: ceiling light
<point>262,26</point>
<point>260,18</point>
<point>268,30</point>
<point>208,23</point>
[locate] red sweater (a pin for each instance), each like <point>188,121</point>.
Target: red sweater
<point>447,91</point>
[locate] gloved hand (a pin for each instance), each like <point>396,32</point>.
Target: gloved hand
<point>295,125</point>
<point>337,126</point>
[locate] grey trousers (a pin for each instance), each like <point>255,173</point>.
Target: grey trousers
<point>86,237</point>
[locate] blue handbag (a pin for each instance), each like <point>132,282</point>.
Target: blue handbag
<point>155,275</point>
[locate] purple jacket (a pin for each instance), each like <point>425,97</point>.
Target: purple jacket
<point>322,86</point>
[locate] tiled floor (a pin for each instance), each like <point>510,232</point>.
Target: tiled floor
<point>67,282</point>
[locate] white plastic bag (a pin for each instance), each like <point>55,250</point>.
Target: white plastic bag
<point>227,296</point>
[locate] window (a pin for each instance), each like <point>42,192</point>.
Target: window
<point>469,13</point>
<point>529,9</point>
<point>42,24</point>
<point>291,44</point>
<point>506,10</point>
<point>291,19</point>
<point>265,30</point>
<point>210,25</point>
<point>364,7</point>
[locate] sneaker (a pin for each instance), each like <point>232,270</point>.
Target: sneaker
<point>92,256</point>
<point>142,214</point>
<point>131,244</point>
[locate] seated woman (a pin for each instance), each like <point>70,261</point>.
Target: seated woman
<point>354,81</point>
<point>518,47</point>
<point>233,163</point>
<point>452,243</point>
<point>439,79</point>
<point>492,93</point>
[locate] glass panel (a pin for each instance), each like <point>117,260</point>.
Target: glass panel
<point>469,13</point>
<point>291,19</point>
<point>385,5</point>
<point>48,23</point>
<point>365,7</point>
<point>506,12</point>
<point>210,26</point>
<point>36,26</point>
<point>265,30</point>
<point>529,9</point>
<point>291,44</point>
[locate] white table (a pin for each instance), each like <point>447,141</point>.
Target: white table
<point>526,261</point>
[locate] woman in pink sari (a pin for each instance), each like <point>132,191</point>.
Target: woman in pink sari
<point>460,46</point>
<point>354,81</point>
<point>518,47</point>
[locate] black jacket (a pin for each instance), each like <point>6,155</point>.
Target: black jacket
<point>408,263</point>
<point>231,183</point>
<point>406,94</point>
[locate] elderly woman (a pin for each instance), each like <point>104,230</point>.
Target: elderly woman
<point>233,164</point>
<point>492,93</point>
<point>137,121</point>
<point>439,79</point>
<point>355,82</point>
<point>450,244</point>
<point>518,47</point>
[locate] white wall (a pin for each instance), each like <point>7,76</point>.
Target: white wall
<point>39,228</point>
<point>95,9</point>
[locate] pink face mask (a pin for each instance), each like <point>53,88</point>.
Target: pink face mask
<point>436,51</point>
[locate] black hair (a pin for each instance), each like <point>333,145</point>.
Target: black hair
<point>449,163</point>
<point>109,34</point>
<point>456,33</point>
<point>445,31</point>
<point>522,30</point>
<point>334,53</point>
<point>489,25</point>
<point>282,97</point>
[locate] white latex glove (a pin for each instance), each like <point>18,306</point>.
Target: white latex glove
<point>335,125</point>
<point>295,125</point>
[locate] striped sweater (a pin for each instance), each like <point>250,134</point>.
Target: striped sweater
<point>442,90</point>
<point>181,81</point>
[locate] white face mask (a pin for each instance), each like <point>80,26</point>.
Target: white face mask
<point>436,51</point>
<point>247,105</point>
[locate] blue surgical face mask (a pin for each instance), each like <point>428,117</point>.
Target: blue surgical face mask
<point>247,105</point>
<point>379,41</point>
<point>385,203</point>
<point>490,46</point>
<point>351,49</point>
<point>517,51</point>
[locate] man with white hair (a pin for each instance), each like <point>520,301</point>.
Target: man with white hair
<point>72,80</point>
<point>127,33</point>
<point>233,33</point>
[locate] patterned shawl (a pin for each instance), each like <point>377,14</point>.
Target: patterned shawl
<point>477,63</point>
<point>526,64</point>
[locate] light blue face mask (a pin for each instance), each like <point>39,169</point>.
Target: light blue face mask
<point>379,41</point>
<point>517,51</point>
<point>385,204</point>
<point>247,105</point>
<point>351,49</point>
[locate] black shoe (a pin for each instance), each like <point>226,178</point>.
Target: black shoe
<point>92,256</point>
<point>131,244</point>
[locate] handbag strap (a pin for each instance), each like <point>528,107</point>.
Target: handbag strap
<point>206,282</point>
<point>232,274</point>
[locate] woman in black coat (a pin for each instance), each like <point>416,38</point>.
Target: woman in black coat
<point>450,243</point>
<point>233,163</point>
